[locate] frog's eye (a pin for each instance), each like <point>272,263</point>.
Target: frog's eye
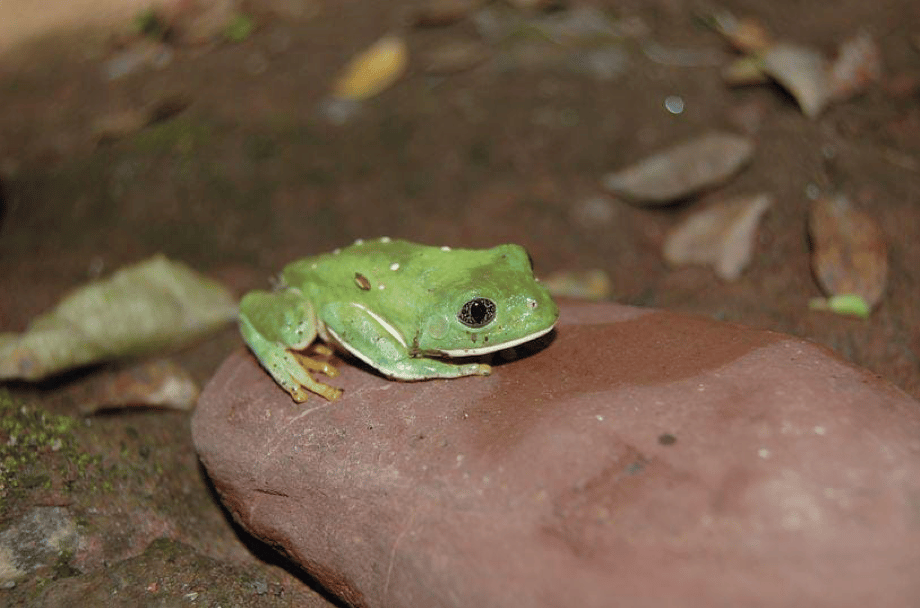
<point>478,312</point>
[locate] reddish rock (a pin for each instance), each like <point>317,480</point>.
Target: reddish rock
<point>641,459</point>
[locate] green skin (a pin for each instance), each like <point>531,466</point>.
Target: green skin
<point>400,307</point>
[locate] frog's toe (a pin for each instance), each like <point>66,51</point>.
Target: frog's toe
<point>316,366</point>
<point>475,369</point>
<point>322,349</point>
<point>292,372</point>
<point>301,392</point>
<point>482,369</point>
<point>297,393</point>
<point>329,392</point>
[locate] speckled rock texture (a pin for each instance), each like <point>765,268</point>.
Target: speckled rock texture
<point>640,458</point>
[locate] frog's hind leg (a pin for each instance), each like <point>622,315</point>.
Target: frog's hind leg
<point>275,323</point>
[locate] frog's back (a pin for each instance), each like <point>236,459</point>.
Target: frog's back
<point>365,270</point>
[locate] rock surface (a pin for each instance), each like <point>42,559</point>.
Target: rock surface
<point>641,458</point>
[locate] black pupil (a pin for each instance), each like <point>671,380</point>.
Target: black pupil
<point>478,312</point>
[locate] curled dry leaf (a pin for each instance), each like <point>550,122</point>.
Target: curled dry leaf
<point>682,170</point>
<point>155,305</point>
<point>373,70</point>
<point>858,64</point>
<point>747,34</point>
<point>849,254</point>
<point>159,383</point>
<point>807,75</point>
<point>722,236</point>
<point>585,284</point>
<point>803,72</point>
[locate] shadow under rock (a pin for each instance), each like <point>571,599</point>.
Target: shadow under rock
<point>268,554</point>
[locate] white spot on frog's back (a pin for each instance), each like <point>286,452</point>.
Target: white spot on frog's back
<point>394,266</point>
<point>384,239</point>
<point>359,241</point>
<point>445,248</point>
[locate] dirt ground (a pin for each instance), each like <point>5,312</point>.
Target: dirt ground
<point>252,174</point>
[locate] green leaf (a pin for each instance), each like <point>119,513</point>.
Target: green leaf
<point>846,304</point>
<point>153,306</point>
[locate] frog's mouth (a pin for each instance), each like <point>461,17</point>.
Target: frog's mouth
<point>491,348</point>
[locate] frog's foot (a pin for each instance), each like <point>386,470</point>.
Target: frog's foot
<point>317,366</point>
<point>475,369</point>
<point>292,371</point>
<point>325,351</point>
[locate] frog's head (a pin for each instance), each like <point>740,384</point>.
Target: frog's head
<point>484,301</point>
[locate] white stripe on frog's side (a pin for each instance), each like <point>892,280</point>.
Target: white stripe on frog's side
<point>354,351</point>
<point>482,350</point>
<point>337,339</point>
<point>383,323</point>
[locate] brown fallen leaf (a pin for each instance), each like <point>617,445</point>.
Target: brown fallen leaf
<point>803,72</point>
<point>808,76</point>
<point>849,254</point>
<point>722,235</point>
<point>746,34</point>
<point>682,170</point>
<point>858,64</point>
<point>160,383</point>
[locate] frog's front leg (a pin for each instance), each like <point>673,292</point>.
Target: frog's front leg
<point>369,337</point>
<point>275,323</point>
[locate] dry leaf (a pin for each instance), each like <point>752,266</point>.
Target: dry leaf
<point>722,236</point>
<point>849,254</point>
<point>747,35</point>
<point>682,170</point>
<point>373,70</point>
<point>585,284</point>
<point>160,383</point>
<point>151,306</point>
<point>807,75</point>
<point>803,72</point>
<point>858,64</point>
